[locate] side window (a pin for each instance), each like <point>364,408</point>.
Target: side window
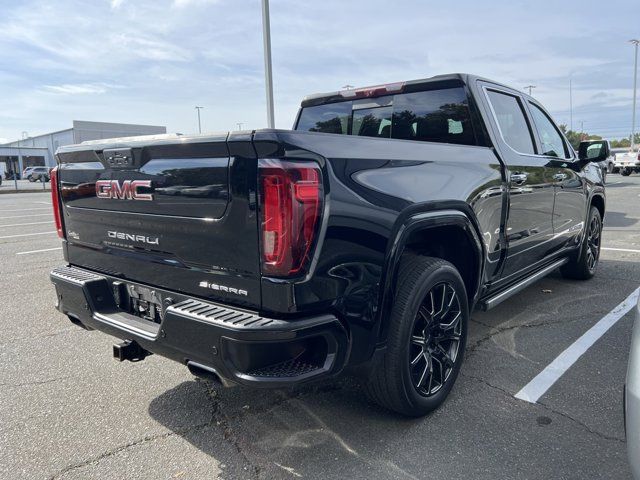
<point>330,118</point>
<point>512,121</point>
<point>552,143</point>
<point>433,116</point>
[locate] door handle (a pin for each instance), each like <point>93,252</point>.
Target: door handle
<point>518,178</point>
<point>559,177</point>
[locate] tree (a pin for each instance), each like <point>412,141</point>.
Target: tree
<point>576,137</point>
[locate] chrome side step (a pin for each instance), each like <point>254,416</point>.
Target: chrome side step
<point>500,297</point>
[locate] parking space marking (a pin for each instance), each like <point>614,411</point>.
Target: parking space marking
<point>38,251</point>
<point>26,209</point>
<point>21,224</point>
<point>620,249</point>
<point>26,216</point>
<point>27,234</point>
<point>542,382</point>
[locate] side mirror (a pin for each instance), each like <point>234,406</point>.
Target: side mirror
<point>594,151</point>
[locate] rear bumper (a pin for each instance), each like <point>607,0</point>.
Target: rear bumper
<point>240,346</point>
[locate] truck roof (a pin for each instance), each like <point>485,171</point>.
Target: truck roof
<point>438,81</point>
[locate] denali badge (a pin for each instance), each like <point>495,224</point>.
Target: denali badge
<point>223,288</point>
<point>134,238</point>
<point>127,191</point>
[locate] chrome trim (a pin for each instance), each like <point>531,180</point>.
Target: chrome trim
<point>125,326</point>
<point>491,302</point>
<point>526,113</point>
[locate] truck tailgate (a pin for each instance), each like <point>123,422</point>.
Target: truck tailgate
<point>174,213</point>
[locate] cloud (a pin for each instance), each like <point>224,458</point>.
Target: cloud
<point>186,3</point>
<point>77,89</point>
<point>152,61</point>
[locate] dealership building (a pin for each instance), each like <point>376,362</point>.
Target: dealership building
<point>39,150</point>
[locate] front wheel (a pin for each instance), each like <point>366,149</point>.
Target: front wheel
<point>625,172</point>
<point>426,339</point>
<point>584,265</point>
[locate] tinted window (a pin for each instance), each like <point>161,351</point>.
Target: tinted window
<point>330,118</point>
<point>372,122</point>
<point>512,121</point>
<point>433,116</point>
<point>552,143</point>
<point>430,116</point>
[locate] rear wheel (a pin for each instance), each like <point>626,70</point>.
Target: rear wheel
<point>426,340</point>
<point>584,265</point>
<point>625,172</point>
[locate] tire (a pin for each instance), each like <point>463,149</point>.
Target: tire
<point>625,172</point>
<point>424,350</point>
<point>30,178</point>
<point>583,267</point>
<point>610,168</point>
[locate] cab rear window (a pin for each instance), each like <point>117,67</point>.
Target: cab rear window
<point>430,116</point>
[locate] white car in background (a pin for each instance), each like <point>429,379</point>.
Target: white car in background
<point>627,162</point>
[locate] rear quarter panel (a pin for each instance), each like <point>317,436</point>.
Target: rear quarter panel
<point>370,183</point>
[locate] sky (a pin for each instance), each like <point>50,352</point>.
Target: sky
<point>152,62</point>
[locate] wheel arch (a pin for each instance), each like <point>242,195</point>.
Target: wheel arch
<point>598,201</point>
<point>448,230</point>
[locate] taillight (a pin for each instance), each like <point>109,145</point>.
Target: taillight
<point>291,202</point>
<point>55,202</point>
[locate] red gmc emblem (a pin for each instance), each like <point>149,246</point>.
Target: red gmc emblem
<point>128,190</point>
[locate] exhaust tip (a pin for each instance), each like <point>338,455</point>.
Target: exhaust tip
<point>204,372</point>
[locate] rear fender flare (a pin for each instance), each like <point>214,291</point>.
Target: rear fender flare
<point>457,214</point>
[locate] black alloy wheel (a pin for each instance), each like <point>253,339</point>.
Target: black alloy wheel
<point>594,234</point>
<point>435,339</point>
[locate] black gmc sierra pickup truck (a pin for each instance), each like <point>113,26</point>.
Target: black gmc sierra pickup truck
<point>360,240</point>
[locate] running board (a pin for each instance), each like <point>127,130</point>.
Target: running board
<point>500,297</point>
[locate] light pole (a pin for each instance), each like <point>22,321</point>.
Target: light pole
<point>268,77</point>
<point>530,87</point>
<point>635,42</point>
<point>199,125</point>
<point>570,103</point>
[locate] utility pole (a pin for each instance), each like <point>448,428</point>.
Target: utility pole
<point>570,103</point>
<point>268,77</point>
<point>581,130</point>
<point>347,87</point>
<point>239,124</point>
<point>635,42</point>
<point>199,125</point>
<point>530,87</point>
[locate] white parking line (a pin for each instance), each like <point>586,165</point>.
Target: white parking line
<point>620,249</point>
<point>27,234</point>
<point>542,382</point>
<point>25,209</point>
<point>26,216</point>
<point>20,224</point>
<point>38,251</point>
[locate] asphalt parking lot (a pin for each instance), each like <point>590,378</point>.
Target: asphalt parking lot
<point>68,410</point>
